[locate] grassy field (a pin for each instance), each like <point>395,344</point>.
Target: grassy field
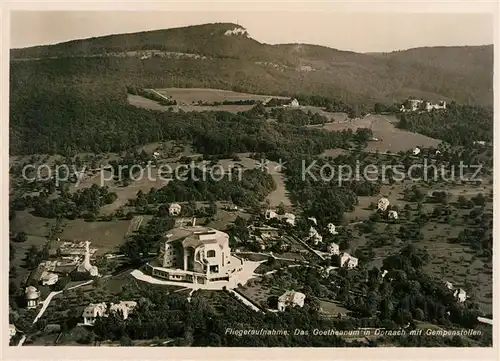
<point>105,236</point>
<point>390,138</point>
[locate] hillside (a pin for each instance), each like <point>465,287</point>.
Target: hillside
<point>205,56</point>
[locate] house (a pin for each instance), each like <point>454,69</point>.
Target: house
<point>49,278</point>
<point>385,273</point>
<point>174,209</point>
<point>448,285</point>
<point>460,295</point>
<point>124,308</point>
<point>348,261</point>
<point>294,103</point>
<point>32,296</point>
<point>392,215</point>
<point>416,151</point>
<point>289,218</point>
<point>52,328</point>
<point>479,142</point>
<point>333,248</point>
<point>270,214</point>
<point>315,236</point>
<point>92,311</point>
<point>312,219</point>
<point>331,229</point>
<point>12,331</point>
<point>291,298</point>
<point>382,204</point>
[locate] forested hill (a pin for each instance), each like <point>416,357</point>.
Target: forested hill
<point>225,56</point>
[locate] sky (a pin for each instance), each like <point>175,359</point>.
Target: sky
<point>369,32</point>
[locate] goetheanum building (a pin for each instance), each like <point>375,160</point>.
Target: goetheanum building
<point>195,254</point>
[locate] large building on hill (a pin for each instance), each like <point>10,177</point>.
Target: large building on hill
<point>195,254</point>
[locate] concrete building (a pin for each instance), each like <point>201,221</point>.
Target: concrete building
<point>348,261</point>
<point>460,295</point>
<point>32,296</point>
<point>333,248</point>
<point>195,255</point>
<point>92,311</point>
<point>291,299</point>
<point>123,308</point>
<point>49,278</point>
<point>174,209</point>
<point>382,204</point>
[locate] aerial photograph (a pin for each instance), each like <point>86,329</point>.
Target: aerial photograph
<point>250,179</point>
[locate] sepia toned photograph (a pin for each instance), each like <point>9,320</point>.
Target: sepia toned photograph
<point>250,179</point>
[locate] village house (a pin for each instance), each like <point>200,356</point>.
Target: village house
<point>92,311</point>
<point>312,219</point>
<point>270,214</point>
<point>124,308</point>
<point>291,299</point>
<point>460,295</point>
<point>49,278</point>
<point>289,218</point>
<point>348,261</point>
<point>174,209</point>
<point>12,331</point>
<point>448,285</point>
<point>331,229</point>
<point>294,103</point>
<point>382,204</point>
<point>392,215</point>
<point>333,248</point>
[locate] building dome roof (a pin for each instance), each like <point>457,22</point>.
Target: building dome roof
<point>31,293</point>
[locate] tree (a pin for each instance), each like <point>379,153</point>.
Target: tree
<point>21,237</point>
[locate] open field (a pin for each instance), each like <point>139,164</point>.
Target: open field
<point>391,139</point>
<point>105,236</point>
<point>186,96</point>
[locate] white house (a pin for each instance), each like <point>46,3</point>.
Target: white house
<point>346,260</point>
<point>315,236</point>
<point>289,218</point>
<point>312,219</point>
<point>448,285</point>
<point>385,273</point>
<point>92,311</point>
<point>32,296</point>
<point>291,298</point>
<point>294,103</point>
<point>333,248</point>
<point>331,229</point>
<point>270,214</point>
<point>156,155</point>
<point>174,209</point>
<point>416,151</point>
<point>12,331</point>
<point>392,215</point>
<point>123,308</point>
<point>382,204</point>
<point>49,278</point>
<point>460,295</point>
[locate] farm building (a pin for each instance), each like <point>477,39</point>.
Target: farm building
<point>124,308</point>
<point>289,218</point>
<point>49,278</point>
<point>416,151</point>
<point>291,298</point>
<point>270,214</point>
